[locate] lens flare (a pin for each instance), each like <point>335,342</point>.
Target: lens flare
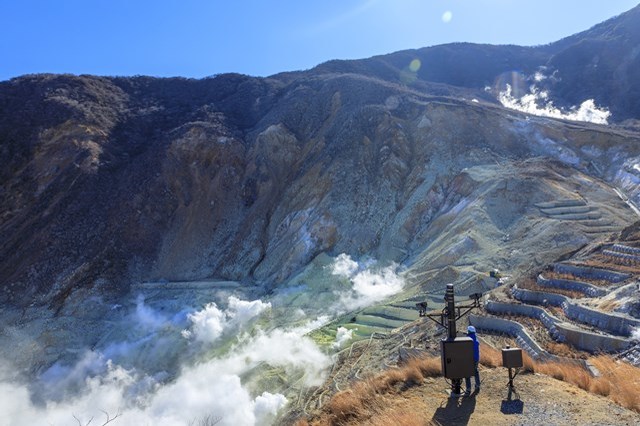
<point>447,16</point>
<point>415,65</point>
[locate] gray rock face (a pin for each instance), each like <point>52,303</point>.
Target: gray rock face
<point>109,181</point>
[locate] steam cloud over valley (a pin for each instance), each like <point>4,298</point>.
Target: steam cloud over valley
<point>167,367</point>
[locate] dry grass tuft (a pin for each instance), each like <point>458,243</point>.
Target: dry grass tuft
<point>490,356</point>
<point>388,379</point>
<point>528,364</point>
<point>362,400</point>
<point>600,387</point>
<point>345,405</point>
<point>429,367</point>
<point>562,349</point>
<point>619,381</point>
<point>412,375</point>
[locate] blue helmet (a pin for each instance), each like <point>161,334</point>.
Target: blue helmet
<point>471,329</point>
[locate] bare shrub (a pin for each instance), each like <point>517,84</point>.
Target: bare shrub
<point>208,420</point>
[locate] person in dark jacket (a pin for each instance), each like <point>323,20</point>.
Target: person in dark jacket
<point>471,332</point>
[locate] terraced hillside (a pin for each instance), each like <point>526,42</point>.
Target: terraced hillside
<point>587,304</point>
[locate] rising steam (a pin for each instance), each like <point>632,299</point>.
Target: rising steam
<point>537,102</point>
<point>224,361</point>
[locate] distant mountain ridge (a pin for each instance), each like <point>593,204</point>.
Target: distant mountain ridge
<point>602,63</point>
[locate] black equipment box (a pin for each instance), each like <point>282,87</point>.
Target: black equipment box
<point>512,357</point>
<point>457,358</point>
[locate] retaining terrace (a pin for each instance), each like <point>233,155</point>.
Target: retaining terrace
<point>562,331</point>
<point>524,340</point>
<point>579,286</point>
<point>624,257</point>
<point>590,272</point>
<point>610,322</point>
<point>626,249</point>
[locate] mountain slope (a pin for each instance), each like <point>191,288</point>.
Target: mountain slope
<point>120,180</point>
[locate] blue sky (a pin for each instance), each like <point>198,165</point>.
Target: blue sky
<point>197,38</point>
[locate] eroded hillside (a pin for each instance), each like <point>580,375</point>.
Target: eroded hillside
<point>111,180</point>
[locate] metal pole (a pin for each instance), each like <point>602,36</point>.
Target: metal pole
<point>511,388</point>
<point>451,311</point>
<point>456,384</point>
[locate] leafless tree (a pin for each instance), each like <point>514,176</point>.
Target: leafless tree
<point>109,418</point>
<point>208,420</point>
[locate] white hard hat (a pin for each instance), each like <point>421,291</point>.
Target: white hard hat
<point>471,329</point>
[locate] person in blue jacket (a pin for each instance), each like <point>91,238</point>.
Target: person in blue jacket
<point>471,332</point>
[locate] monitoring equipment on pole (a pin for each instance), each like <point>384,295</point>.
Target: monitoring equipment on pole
<point>456,352</point>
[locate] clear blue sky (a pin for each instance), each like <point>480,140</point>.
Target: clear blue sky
<point>197,38</point>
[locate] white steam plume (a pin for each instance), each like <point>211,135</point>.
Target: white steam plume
<point>343,335</point>
<point>209,324</point>
<point>213,388</point>
<point>368,286</point>
<point>537,102</point>
<point>344,266</point>
<point>156,376</point>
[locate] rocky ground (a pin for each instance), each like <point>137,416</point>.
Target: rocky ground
<point>542,400</point>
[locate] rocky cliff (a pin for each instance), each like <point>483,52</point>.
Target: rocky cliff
<point>111,181</point>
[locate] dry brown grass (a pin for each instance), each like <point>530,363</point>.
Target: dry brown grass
<point>609,305</point>
<point>528,364</point>
<point>564,350</point>
<point>346,405</point>
<point>362,400</point>
<point>490,356</point>
<point>429,367</point>
<point>619,381</point>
